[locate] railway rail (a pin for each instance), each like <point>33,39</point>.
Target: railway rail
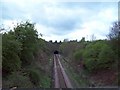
<point>61,79</point>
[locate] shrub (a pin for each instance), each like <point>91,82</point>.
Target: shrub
<point>78,56</point>
<point>106,57</point>
<point>98,55</point>
<point>28,36</point>
<point>18,80</point>
<point>34,76</point>
<point>10,54</point>
<point>11,62</point>
<point>90,64</point>
<point>38,78</point>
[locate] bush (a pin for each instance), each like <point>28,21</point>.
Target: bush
<point>91,64</point>
<point>98,55</point>
<point>34,76</point>
<point>78,56</point>
<point>45,81</point>
<point>10,54</point>
<point>106,57</point>
<point>27,57</point>
<point>91,55</point>
<point>11,63</point>
<point>28,36</point>
<point>18,80</point>
<point>38,78</point>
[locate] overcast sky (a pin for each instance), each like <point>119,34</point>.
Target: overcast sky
<point>62,20</point>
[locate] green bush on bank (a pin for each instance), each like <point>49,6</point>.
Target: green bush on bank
<point>78,56</point>
<point>34,76</point>
<point>106,57</point>
<point>96,55</point>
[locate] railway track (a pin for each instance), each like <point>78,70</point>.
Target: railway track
<point>61,79</point>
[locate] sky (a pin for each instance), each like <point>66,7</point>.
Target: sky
<point>59,20</point>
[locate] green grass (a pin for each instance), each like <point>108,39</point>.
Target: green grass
<point>82,82</point>
<point>45,82</point>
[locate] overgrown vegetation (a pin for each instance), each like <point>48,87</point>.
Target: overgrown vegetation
<point>25,58</point>
<point>96,55</point>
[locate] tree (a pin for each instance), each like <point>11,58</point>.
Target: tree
<point>66,40</point>
<point>55,41</point>
<point>115,31</point>
<point>60,42</point>
<point>106,57</point>
<point>114,37</point>
<point>50,41</point>
<point>10,53</point>
<point>68,48</point>
<point>28,36</point>
<point>83,39</point>
<point>93,37</point>
<point>98,55</point>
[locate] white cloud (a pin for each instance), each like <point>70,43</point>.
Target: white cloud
<point>9,24</point>
<point>98,25</point>
<point>48,16</point>
<point>43,29</point>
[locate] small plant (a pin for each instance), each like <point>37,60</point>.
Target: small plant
<point>17,79</point>
<point>34,76</point>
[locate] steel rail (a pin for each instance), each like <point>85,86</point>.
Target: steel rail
<point>63,73</point>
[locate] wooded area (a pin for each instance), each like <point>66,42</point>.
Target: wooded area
<point>27,59</point>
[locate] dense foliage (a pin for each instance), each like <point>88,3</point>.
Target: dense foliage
<point>25,57</point>
<point>92,57</point>
<point>10,50</point>
<point>114,37</point>
<point>27,36</point>
<point>98,55</point>
<point>22,51</point>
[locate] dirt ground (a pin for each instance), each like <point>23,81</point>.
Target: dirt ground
<point>105,77</point>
